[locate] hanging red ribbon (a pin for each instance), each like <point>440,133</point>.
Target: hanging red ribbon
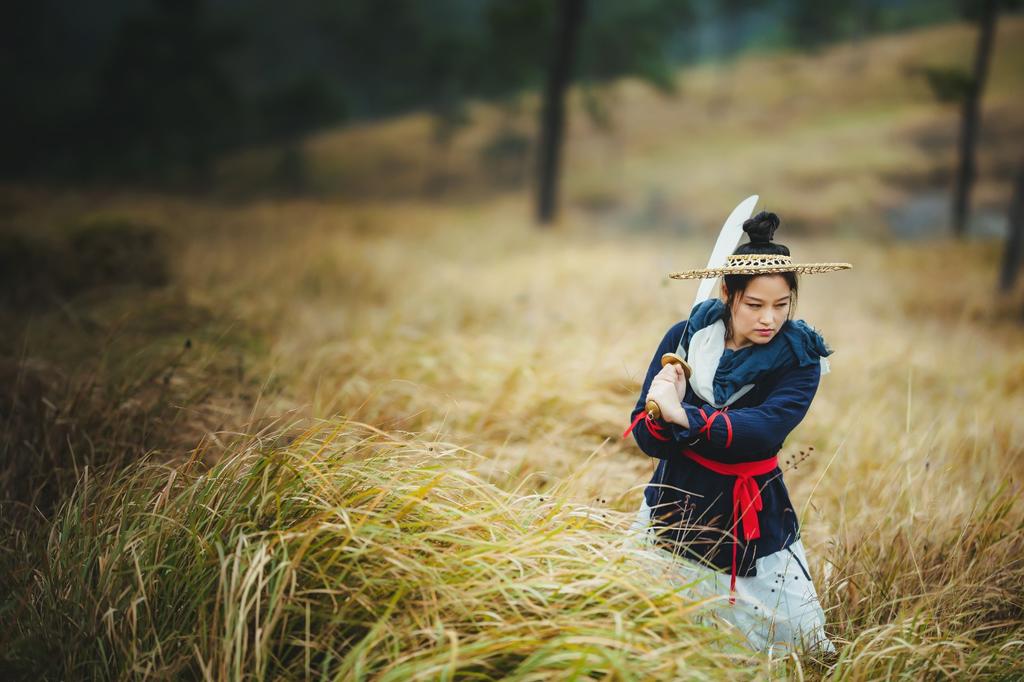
<point>655,429</point>
<point>746,500</point>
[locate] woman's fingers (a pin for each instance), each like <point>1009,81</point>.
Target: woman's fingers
<point>681,385</point>
<point>667,372</point>
<point>659,392</point>
<point>670,375</point>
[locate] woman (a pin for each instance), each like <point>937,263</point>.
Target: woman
<point>717,498</point>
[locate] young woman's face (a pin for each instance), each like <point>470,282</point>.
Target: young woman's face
<point>760,310</point>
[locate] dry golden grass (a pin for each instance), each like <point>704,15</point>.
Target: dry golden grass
<point>468,326</point>
<point>348,553</point>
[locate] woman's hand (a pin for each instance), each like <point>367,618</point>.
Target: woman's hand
<point>668,389</point>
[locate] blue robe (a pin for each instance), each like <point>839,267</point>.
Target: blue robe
<point>691,506</point>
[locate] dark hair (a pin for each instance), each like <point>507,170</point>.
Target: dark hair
<point>761,228</point>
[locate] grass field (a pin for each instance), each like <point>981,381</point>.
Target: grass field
<point>364,432</point>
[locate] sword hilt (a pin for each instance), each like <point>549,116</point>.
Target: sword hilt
<point>653,411</point>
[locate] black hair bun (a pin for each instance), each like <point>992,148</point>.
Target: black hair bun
<point>761,228</point>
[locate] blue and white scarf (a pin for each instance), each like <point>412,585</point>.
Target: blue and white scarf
<point>722,375</point>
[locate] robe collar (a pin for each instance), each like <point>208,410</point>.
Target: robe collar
<point>722,375</point>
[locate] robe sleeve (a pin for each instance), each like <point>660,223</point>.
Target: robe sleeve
<point>750,433</point>
<point>649,443</point>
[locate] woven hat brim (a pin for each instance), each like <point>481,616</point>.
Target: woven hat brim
<point>804,268</point>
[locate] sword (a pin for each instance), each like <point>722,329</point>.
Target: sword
<point>728,239</point>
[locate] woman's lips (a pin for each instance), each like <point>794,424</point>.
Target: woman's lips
<point>764,332</point>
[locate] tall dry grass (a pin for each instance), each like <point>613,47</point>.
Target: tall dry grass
<point>469,328</point>
<point>347,553</point>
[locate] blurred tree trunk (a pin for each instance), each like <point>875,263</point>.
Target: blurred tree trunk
<point>1014,236</point>
<point>971,115</point>
<point>570,19</point>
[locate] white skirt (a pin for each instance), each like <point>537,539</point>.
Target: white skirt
<point>777,610</point>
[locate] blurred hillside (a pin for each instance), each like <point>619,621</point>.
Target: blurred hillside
<point>850,141</point>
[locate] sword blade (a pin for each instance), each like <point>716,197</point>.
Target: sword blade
<point>728,239</point>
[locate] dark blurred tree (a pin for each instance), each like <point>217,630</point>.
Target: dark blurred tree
<point>1014,251</point>
<point>166,105</point>
<point>552,128</point>
<point>616,39</point>
<point>812,23</point>
<point>50,55</point>
<point>518,35</point>
<point>302,104</point>
<point>985,13</point>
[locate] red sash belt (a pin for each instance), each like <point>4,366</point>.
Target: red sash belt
<point>746,498</point>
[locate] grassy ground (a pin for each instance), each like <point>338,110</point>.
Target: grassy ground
<point>384,434</point>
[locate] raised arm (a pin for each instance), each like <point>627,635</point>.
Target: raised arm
<point>748,433</point>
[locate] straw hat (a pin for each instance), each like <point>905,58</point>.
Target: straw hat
<point>760,229</point>
<point>759,264</point>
